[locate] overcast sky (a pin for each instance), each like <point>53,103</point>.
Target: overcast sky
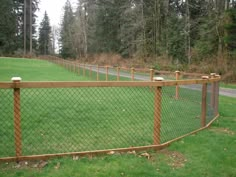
<point>54,9</point>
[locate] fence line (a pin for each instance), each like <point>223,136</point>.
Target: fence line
<point>147,73</point>
<point>128,107</point>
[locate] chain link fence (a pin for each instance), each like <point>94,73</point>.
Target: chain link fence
<point>63,117</point>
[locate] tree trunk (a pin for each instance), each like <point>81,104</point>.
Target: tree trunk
<point>143,29</point>
<point>167,27</point>
<point>187,27</point>
<point>25,4</point>
<point>31,16</point>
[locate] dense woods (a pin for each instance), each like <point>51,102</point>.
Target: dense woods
<point>12,26</point>
<point>186,31</point>
<point>183,31</point>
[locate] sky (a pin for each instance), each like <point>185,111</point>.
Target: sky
<point>54,10</point>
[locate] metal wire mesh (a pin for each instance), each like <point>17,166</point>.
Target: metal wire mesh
<point>81,119</point>
<point>7,147</point>
<point>59,120</point>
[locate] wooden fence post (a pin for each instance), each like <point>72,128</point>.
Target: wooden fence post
<point>75,67</point>
<point>151,74</point>
<point>213,90</point>
<point>79,69</point>
<point>118,73</point>
<point>204,102</point>
<point>177,74</point>
<point>17,117</point>
<point>107,68</point>
<point>132,74</point>
<point>157,113</point>
<point>97,73</point>
<point>84,70</point>
<point>90,71</point>
<point>217,85</point>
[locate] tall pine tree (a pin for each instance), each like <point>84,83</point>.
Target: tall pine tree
<point>67,45</point>
<point>44,40</point>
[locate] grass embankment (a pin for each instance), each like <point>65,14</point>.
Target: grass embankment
<point>208,153</point>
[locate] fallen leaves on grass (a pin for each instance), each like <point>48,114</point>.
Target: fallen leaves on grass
<point>42,164</point>
<point>111,153</point>
<point>57,165</point>
<point>75,157</point>
<point>131,152</point>
<point>145,154</point>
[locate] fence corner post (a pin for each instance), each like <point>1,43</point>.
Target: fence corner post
<point>17,117</point>
<point>177,74</point>
<point>151,74</point>
<point>217,89</point>
<point>213,90</point>
<point>204,102</point>
<point>157,112</point>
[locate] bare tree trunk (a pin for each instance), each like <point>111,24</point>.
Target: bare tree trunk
<point>167,27</point>
<point>188,39</point>
<point>227,4</point>
<point>31,16</point>
<point>85,32</point>
<point>143,29</point>
<point>25,27</point>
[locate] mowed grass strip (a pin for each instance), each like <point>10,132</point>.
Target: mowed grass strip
<point>35,70</point>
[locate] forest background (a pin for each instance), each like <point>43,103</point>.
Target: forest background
<point>189,35</point>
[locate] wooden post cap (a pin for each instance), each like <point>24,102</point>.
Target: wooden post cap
<point>158,79</point>
<point>213,75</point>
<point>177,71</point>
<point>14,79</point>
<point>205,77</point>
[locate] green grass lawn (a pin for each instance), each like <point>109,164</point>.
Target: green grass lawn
<point>231,86</point>
<point>116,124</point>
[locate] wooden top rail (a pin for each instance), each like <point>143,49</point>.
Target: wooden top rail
<point>103,84</point>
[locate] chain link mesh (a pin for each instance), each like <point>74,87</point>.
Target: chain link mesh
<point>59,120</point>
<point>7,146</point>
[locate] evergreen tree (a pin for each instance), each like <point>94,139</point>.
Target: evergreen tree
<point>230,38</point>
<point>67,45</point>
<point>8,28</point>
<point>44,40</point>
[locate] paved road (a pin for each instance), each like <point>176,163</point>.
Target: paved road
<point>223,91</point>
<point>228,92</point>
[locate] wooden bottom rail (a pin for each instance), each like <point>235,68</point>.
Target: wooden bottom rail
<point>85,153</point>
<point>100,152</point>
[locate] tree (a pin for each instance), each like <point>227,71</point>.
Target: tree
<point>44,40</point>
<point>26,22</point>
<point>8,27</point>
<point>67,47</point>
<point>230,27</point>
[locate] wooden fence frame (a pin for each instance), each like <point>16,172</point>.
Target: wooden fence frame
<point>16,85</point>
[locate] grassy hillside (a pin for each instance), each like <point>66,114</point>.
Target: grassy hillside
<point>208,153</point>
